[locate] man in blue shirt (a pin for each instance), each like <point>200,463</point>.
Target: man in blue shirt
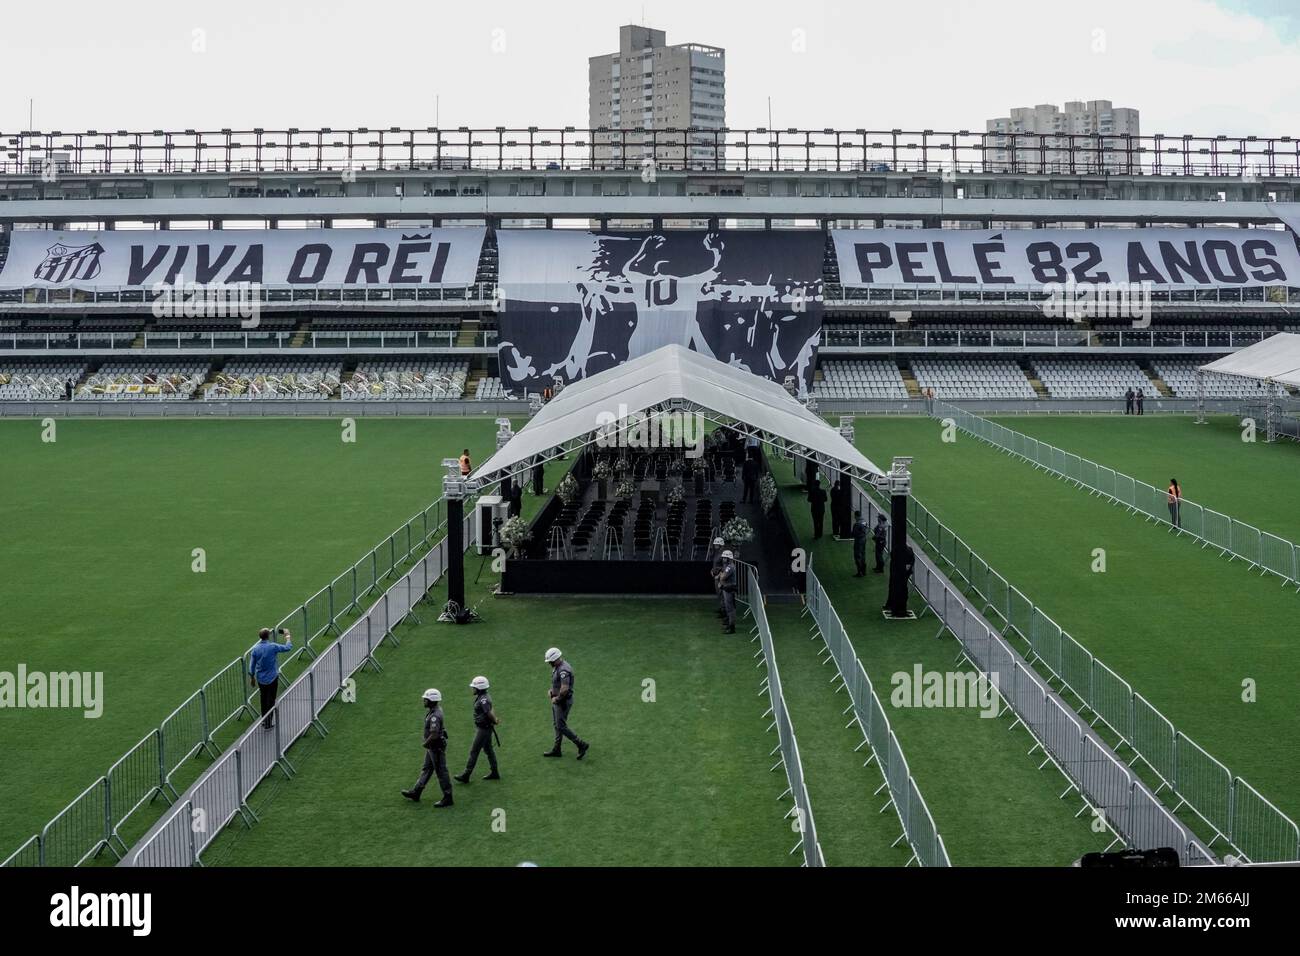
<point>264,669</point>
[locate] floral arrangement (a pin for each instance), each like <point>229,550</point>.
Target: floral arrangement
<point>602,471</point>
<point>514,534</point>
<point>767,492</point>
<point>676,493</point>
<point>568,490</point>
<point>624,490</point>
<point>737,531</point>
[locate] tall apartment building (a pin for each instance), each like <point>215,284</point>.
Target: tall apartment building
<point>648,85</point>
<point>1104,125</point>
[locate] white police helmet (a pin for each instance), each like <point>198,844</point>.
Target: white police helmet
<point>479,683</point>
<point>552,655</point>
<point>728,555</point>
<point>433,694</point>
<point>718,541</point>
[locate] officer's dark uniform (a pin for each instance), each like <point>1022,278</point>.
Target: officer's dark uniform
<point>817,498</point>
<point>714,571</point>
<point>860,545</point>
<point>727,588</point>
<point>483,726</point>
<point>879,535</point>
<point>562,684</point>
<point>1128,402</point>
<point>435,755</point>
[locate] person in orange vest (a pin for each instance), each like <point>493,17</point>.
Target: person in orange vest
<point>1175,503</point>
<point>465,468</point>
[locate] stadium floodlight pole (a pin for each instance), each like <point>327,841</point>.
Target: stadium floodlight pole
<point>899,484</point>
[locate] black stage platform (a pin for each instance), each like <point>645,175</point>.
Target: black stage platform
<point>601,544</point>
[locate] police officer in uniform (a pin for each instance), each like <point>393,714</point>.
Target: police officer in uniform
<point>860,544</point>
<point>714,571</point>
<point>435,751</point>
<point>817,499</point>
<point>727,588</point>
<point>561,694</point>
<point>485,722</point>
<point>879,535</point>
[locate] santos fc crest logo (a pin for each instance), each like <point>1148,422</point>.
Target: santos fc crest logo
<point>64,263</point>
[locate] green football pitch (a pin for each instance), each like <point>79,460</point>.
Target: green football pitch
<point>1183,625</point>
<point>102,523</point>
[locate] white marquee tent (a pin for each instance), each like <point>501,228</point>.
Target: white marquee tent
<point>674,378</point>
<point>1276,359</point>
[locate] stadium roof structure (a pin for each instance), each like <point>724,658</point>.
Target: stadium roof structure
<point>1276,359</point>
<point>674,379</point>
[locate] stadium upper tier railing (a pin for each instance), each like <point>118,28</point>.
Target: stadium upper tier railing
<point>54,153</point>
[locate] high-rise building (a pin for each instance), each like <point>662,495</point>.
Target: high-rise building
<point>1099,129</point>
<point>649,86</point>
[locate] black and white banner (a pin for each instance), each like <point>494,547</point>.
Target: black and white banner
<point>1166,258</point>
<point>577,303</point>
<point>128,259</point>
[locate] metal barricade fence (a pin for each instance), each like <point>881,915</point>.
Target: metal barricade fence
<point>1144,729</point>
<point>80,830</point>
<point>135,779</point>
<point>1204,785</point>
<point>222,791</point>
<point>917,822</point>
<point>1260,831</point>
<point>173,844</point>
<point>786,741</point>
<point>1278,556</point>
<point>184,734</point>
<point>1129,809</point>
<point>29,854</point>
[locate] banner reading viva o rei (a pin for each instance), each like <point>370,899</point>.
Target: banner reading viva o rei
<point>141,259</point>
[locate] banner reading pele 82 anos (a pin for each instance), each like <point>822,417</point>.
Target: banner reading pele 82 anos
<point>1169,258</point>
<point>142,259</point>
<point>576,303</point>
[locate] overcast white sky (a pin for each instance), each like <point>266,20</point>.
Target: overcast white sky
<point>1190,66</point>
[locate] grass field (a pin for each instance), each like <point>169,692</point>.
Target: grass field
<point>98,575</point>
<point>1184,626</point>
<point>683,780</point>
<point>100,526</point>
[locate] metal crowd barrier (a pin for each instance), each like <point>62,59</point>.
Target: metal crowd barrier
<point>221,793</point>
<point>787,745</point>
<point>1122,801</point>
<point>1266,552</point>
<point>1228,806</point>
<point>869,714</point>
<point>93,821</point>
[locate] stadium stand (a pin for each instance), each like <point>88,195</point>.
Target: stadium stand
<point>433,379</point>
<point>158,380</point>
<point>1180,375</point>
<point>489,390</point>
<point>280,379</point>
<point>861,378</point>
<point>26,380</point>
<point>1091,377</point>
<point>972,378</point>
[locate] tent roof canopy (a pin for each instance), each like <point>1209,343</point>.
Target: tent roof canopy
<point>674,378</point>
<point>1276,359</point>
